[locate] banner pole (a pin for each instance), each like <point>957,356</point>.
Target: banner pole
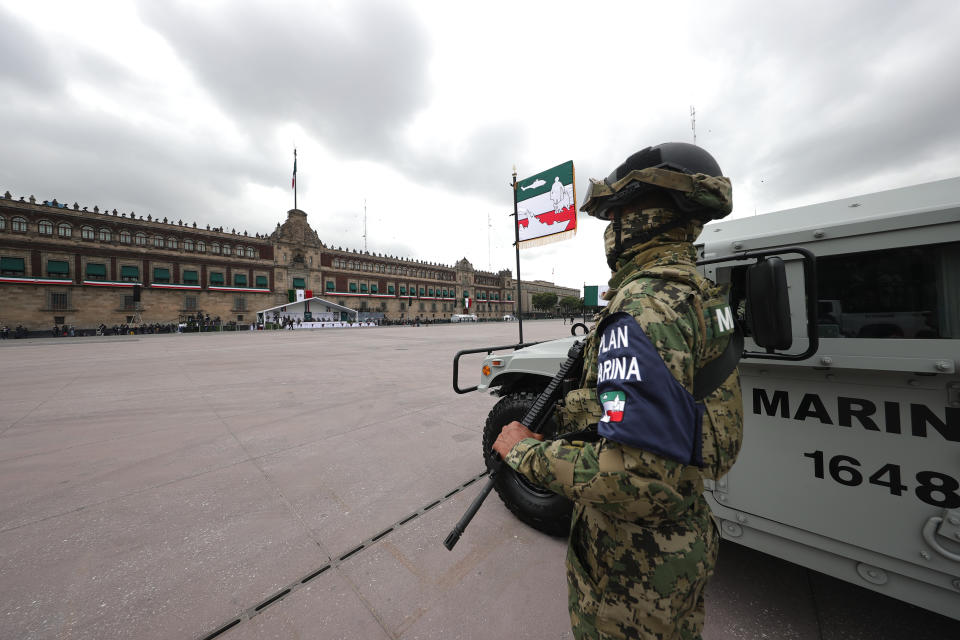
<point>516,231</point>
<point>583,306</point>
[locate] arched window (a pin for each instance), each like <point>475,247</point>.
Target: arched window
<point>171,243</point>
<point>158,241</point>
<point>105,235</point>
<point>45,228</point>
<point>201,246</point>
<point>188,245</point>
<point>3,223</point>
<point>19,224</point>
<point>64,230</point>
<point>226,250</point>
<point>141,239</point>
<point>125,237</point>
<point>251,253</point>
<point>86,232</point>
<point>215,248</point>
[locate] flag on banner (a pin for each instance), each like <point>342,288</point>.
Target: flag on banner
<point>547,206</point>
<point>293,182</point>
<point>593,295</point>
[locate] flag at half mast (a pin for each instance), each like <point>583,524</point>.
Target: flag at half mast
<point>547,206</point>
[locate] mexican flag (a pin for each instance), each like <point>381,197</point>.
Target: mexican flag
<point>613,402</point>
<point>547,206</point>
<point>467,302</point>
<point>593,295</point>
<point>293,182</point>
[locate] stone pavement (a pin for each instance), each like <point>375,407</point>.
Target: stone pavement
<point>170,486</point>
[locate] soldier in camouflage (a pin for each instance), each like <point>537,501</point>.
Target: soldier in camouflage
<point>642,541</point>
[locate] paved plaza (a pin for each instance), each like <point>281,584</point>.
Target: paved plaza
<point>299,484</point>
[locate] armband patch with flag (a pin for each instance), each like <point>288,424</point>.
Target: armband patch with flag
<point>643,404</point>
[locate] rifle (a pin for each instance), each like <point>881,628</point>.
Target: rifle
<point>534,420</point>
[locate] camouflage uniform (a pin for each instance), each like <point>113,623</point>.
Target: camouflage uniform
<point>642,540</point>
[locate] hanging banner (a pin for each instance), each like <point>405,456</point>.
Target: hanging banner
<point>547,206</point>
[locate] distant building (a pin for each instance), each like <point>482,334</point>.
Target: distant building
<point>530,288</point>
<point>68,265</point>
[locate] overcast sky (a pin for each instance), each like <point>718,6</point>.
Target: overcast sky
<point>420,109</point>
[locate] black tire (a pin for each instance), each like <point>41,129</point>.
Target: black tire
<point>538,507</point>
<point>573,329</point>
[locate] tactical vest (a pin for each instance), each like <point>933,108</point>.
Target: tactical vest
<point>721,424</point>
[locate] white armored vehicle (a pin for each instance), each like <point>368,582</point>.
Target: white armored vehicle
<point>851,453</point>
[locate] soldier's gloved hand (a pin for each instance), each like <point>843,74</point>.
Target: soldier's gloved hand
<point>510,435</point>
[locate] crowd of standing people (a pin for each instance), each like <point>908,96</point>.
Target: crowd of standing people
<point>19,332</point>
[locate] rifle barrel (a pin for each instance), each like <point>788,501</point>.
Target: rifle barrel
<point>454,535</point>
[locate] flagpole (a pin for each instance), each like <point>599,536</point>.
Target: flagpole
<point>294,177</point>
<point>516,231</point>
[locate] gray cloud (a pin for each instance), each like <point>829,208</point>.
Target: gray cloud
<point>481,167</point>
<point>823,96</point>
<point>25,61</point>
<point>353,79</point>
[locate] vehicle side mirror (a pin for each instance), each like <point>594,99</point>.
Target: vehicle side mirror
<point>767,304</point>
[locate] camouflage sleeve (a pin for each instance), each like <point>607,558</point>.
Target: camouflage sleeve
<point>674,332</point>
<point>623,481</point>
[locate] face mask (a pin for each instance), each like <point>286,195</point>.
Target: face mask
<point>609,246</point>
<point>640,227</point>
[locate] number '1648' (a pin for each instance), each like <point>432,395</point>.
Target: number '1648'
<point>934,488</point>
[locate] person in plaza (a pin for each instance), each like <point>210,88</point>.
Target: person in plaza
<point>642,542</point>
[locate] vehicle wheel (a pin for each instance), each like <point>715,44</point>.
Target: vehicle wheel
<point>540,508</point>
<point>573,329</point>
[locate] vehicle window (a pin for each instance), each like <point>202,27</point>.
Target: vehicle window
<point>909,292</point>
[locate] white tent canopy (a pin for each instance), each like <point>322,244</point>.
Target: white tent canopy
<point>309,310</point>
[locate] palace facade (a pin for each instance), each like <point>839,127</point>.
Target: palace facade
<point>63,264</point>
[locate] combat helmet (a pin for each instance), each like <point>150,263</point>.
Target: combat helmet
<point>683,176</point>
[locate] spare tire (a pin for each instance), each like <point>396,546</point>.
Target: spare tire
<point>534,505</point>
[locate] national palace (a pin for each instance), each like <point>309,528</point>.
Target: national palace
<point>63,264</point>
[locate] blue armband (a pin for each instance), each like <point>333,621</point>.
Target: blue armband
<point>643,404</point>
